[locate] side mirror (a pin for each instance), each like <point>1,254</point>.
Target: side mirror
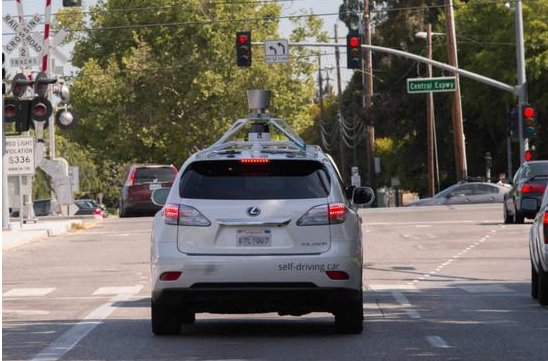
<point>159,196</point>
<point>363,196</point>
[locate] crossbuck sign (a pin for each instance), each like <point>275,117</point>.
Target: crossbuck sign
<point>23,33</point>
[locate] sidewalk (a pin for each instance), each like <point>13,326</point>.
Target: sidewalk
<point>42,229</point>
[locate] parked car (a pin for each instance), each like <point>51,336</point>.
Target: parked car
<point>524,198</point>
<point>88,207</point>
<point>139,183</point>
<point>465,193</point>
<point>538,249</point>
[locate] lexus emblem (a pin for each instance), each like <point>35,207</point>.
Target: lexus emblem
<point>253,211</point>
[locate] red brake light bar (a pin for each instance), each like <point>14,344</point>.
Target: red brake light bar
<point>255,161</point>
<point>533,188</point>
<point>545,225</point>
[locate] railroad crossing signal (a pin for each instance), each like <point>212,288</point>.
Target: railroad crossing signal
<point>353,51</point>
<point>243,48</point>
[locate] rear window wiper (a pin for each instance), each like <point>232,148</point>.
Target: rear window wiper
<point>538,176</point>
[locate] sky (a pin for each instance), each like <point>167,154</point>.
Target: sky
<point>32,7</point>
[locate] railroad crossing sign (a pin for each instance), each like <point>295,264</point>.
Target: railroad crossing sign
<point>23,33</point>
<point>276,51</point>
<point>431,85</point>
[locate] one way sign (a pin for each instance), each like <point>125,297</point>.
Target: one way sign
<point>276,51</point>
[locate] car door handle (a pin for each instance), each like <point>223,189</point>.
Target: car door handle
<point>245,222</point>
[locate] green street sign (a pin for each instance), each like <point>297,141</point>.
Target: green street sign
<point>431,85</point>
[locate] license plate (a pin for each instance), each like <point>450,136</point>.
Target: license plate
<point>253,238</point>
<point>154,186</point>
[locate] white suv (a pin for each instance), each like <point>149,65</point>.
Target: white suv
<point>257,226</point>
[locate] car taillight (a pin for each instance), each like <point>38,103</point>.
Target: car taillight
<point>131,178</point>
<point>181,215</point>
<point>324,215</point>
<point>545,226</point>
<point>98,212</point>
<point>337,275</point>
<point>170,276</point>
<point>533,188</point>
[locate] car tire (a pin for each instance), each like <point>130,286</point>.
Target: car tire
<point>349,319</point>
<point>534,282</point>
<point>507,218</point>
<point>518,217</point>
<point>542,287</point>
<point>123,211</point>
<point>165,319</point>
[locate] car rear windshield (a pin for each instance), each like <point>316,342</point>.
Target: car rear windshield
<point>539,169</point>
<point>154,174</point>
<point>277,179</point>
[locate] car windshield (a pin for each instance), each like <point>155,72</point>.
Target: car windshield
<point>277,179</point>
<point>154,174</point>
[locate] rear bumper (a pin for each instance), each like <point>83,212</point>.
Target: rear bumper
<point>257,298</point>
<point>141,206</point>
<point>529,206</point>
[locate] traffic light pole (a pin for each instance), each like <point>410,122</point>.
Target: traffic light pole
<point>522,81</point>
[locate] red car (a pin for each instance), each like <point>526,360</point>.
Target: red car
<point>140,181</point>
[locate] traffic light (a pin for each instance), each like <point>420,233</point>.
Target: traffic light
<point>19,85</point>
<point>512,126</point>
<point>41,83</point>
<point>353,51</point>
<point>40,109</point>
<point>529,115</point>
<point>65,119</point>
<point>72,3</point>
<point>17,110</point>
<point>530,155</point>
<point>243,48</point>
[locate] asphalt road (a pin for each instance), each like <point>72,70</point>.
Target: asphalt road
<point>441,283</point>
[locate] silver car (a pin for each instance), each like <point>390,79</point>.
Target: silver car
<point>538,248</point>
<point>257,226</point>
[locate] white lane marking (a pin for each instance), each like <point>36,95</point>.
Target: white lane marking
<point>388,288</point>
<point>423,226</point>
<point>25,292</point>
<point>114,233</point>
<point>26,312</point>
<point>401,299</point>
<point>58,348</point>
<point>437,341</point>
<point>116,290</point>
<point>493,230</point>
<point>486,289</point>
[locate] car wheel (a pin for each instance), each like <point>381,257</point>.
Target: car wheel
<point>518,217</point>
<point>349,319</point>
<point>506,216</point>
<point>534,281</point>
<point>165,319</point>
<point>542,287</point>
<point>123,211</point>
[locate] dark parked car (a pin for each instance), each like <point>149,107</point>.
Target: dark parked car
<point>538,250</point>
<point>140,181</point>
<point>524,198</point>
<point>88,207</point>
<point>42,207</point>
<point>465,193</point>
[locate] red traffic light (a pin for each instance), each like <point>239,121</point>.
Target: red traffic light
<point>9,110</point>
<point>528,156</point>
<point>528,112</point>
<point>39,110</point>
<point>354,42</point>
<point>242,39</point>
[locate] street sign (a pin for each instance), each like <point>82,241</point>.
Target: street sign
<point>431,85</point>
<point>276,51</point>
<point>23,33</point>
<point>25,61</point>
<point>20,152</point>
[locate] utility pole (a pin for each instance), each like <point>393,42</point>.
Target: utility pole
<point>430,119</point>
<point>320,86</point>
<point>522,80</point>
<point>368,100</point>
<point>458,128</point>
<point>342,149</point>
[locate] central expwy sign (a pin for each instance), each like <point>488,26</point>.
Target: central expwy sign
<point>431,85</point>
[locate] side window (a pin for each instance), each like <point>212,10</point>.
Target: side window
<point>486,189</point>
<point>517,175</point>
<point>463,191</point>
